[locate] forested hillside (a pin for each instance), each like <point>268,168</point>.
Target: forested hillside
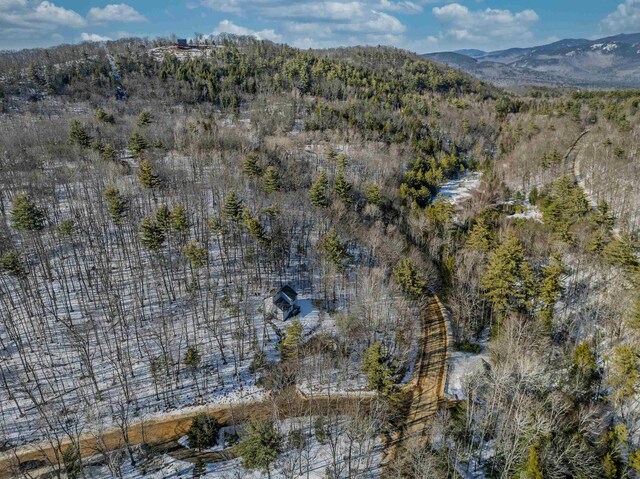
<point>155,200</point>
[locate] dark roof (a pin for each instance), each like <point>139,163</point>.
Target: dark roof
<point>281,302</point>
<point>289,291</point>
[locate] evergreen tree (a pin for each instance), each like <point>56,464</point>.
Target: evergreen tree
<point>412,283</point>
<point>251,166</point>
<point>508,281</point>
<point>197,255</point>
<point>137,143</point>
<point>271,180</point>
<point>584,369</point>
<point>144,119</point>
<point>480,237</point>
<point>103,116</point>
<point>255,227</point>
<point>550,289</point>
<point>319,190</point>
<point>292,339</point>
<point>65,228</point>
<point>147,176</point>
<point>180,220</point>
<point>336,251</point>
<point>624,374</point>
<point>152,234</point>
<point>261,446</point>
<point>26,216</point>
<point>192,358</point>
<point>374,365</point>
<point>109,153</point>
<point>232,208</point>
<point>203,432</point>
<point>117,204</point>
<point>78,135</point>
<point>373,194</point>
<point>163,218</point>
<point>342,187</point>
<point>533,468</point>
<point>11,262</point>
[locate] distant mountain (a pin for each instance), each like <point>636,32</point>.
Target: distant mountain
<point>611,62</point>
<point>471,53</point>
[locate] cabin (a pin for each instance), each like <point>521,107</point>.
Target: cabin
<point>285,301</point>
<point>182,43</point>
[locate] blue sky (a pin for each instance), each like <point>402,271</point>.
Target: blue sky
<point>419,25</point>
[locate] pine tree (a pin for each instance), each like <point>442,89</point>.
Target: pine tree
<point>65,228</point>
<point>532,469</point>
<point>78,135</point>
<point>330,155</point>
<point>480,237</point>
<point>374,365</point>
<point>336,251</point>
<point>624,374</point>
<point>255,227</point>
<point>26,216</point>
<point>271,180</point>
<point>508,279</point>
<point>12,263</point>
<point>109,153</point>
<point>342,187</point>
<point>152,234</point>
<point>147,176</point>
<point>319,189</point>
<point>203,432</point>
<point>192,358</point>
<point>180,220</point>
<point>144,119</point>
<point>137,143</point>
<point>232,208</point>
<point>550,289</point>
<point>261,446</point>
<point>251,166</point>
<point>197,255</point>
<point>101,115</point>
<point>373,194</point>
<point>163,218</point>
<point>412,283</point>
<point>116,204</point>
<point>292,339</point>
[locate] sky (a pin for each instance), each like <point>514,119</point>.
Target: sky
<point>418,25</point>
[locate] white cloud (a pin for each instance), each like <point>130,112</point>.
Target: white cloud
<point>402,7</point>
<point>47,12</point>
<point>120,12</point>
<point>338,11</point>
<point>25,23</point>
<point>624,19</point>
<point>93,37</point>
<point>481,26</point>
<point>227,26</point>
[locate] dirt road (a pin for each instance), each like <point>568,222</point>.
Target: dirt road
<point>427,387</point>
<point>163,432</point>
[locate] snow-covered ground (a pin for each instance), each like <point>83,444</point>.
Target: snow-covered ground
<point>463,365</point>
<point>349,456</point>
<point>461,188</point>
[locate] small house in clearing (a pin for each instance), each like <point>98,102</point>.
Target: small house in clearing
<point>182,43</point>
<point>285,301</point>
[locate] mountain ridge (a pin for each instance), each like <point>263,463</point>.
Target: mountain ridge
<point>607,62</point>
